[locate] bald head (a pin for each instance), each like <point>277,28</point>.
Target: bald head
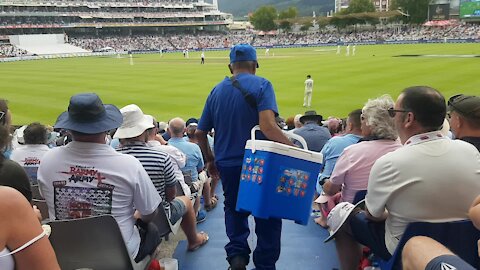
<point>177,127</point>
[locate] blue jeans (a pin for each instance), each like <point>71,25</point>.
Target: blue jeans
<point>268,231</point>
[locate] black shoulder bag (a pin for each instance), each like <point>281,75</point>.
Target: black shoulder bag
<point>249,98</point>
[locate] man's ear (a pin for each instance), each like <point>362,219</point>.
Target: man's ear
<point>460,121</point>
<point>409,119</point>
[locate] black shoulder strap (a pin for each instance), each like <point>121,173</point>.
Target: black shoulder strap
<point>249,98</point>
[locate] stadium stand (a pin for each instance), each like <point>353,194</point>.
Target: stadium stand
<point>76,17</point>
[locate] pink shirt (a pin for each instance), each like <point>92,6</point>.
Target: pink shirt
<point>354,164</point>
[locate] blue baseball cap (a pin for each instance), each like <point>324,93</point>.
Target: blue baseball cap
<point>243,52</point>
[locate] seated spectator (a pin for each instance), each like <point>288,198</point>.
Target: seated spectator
<point>314,134</point>
<point>333,149</point>
<point>24,244</point>
<point>208,189</point>
<point>6,120</point>
<point>409,184</point>
<point>11,173</point>
<point>194,158</point>
<point>352,169</point>
<point>422,252</point>
<point>464,115</point>
<point>334,126</point>
<point>87,177</point>
<point>178,157</point>
<point>290,123</point>
<point>33,146</point>
<point>133,135</point>
<point>296,121</point>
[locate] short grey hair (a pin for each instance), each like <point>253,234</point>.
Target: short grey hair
<point>177,126</point>
<point>376,116</point>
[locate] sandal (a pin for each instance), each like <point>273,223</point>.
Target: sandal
<point>204,241</point>
<point>213,204</point>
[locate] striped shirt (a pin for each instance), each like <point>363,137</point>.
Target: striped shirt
<point>157,164</point>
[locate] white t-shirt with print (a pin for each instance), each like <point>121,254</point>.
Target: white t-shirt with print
<point>29,157</point>
<point>87,179</point>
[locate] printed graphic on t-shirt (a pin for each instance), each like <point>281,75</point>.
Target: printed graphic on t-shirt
<point>78,202</point>
<point>72,202</point>
<point>84,174</point>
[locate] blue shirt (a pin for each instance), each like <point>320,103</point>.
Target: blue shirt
<point>194,156</point>
<point>332,150</point>
<point>227,111</point>
<point>315,136</point>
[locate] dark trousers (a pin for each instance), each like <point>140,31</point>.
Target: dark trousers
<point>150,239</point>
<point>268,231</point>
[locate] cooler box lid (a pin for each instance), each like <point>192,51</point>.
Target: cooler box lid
<point>283,149</point>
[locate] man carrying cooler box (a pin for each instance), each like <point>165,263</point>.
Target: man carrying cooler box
<point>233,108</point>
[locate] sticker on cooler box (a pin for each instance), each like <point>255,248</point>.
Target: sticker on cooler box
<point>293,182</point>
<point>252,170</point>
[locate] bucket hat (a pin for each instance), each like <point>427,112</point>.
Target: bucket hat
<point>134,122</point>
<point>87,114</point>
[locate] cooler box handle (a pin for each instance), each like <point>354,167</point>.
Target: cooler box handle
<point>290,135</point>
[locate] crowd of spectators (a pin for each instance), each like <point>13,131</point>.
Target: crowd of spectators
<point>394,34</point>
<point>180,41</point>
<point>225,40</point>
<point>8,50</point>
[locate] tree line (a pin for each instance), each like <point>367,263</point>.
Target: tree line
<point>267,18</point>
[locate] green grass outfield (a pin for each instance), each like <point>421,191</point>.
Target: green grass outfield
<point>173,86</point>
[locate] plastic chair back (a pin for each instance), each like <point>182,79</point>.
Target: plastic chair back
<point>459,236</point>
<point>36,192</point>
<point>360,195</point>
<point>93,242</point>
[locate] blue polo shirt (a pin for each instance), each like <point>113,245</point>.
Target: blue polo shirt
<point>332,150</point>
<point>315,136</point>
<point>227,111</point>
<point>194,156</point>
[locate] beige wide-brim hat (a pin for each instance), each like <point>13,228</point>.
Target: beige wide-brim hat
<point>134,122</point>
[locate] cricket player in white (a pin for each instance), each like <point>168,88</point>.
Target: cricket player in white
<point>307,99</point>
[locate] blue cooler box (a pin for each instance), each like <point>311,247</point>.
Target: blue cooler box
<point>277,180</point>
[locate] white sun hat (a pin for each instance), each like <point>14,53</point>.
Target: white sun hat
<point>338,215</point>
<point>134,122</point>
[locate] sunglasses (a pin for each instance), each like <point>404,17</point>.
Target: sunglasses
<point>2,114</point>
<point>392,112</point>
